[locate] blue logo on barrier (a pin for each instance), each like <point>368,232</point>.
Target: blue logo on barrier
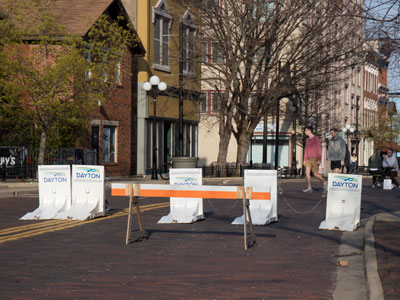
<point>88,173</point>
<point>347,179</point>
<point>346,182</point>
<point>186,181</point>
<point>54,177</point>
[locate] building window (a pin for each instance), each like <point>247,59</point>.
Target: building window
<point>204,51</point>
<point>251,101</point>
<point>263,11</point>
<point>203,103</point>
<point>189,139</point>
<point>217,54</point>
<point>109,144</point>
<point>118,79</point>
<point>259,53</point>
<point>95,140</point>
<point>216,101</point>
<point>162,23</point>
<point>194,140</point>
<point>213,5</point>
<point>188,49</point>
<point>149,141</point>
<point>188,42</point>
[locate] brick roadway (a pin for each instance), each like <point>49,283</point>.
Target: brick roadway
<point>205,260</point>
<point>387,246</point>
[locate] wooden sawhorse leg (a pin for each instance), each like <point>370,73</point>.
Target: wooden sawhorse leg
<point>134,200</point>
<point>249,240</point>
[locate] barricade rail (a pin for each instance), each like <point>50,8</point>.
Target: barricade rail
<point>134,191</point>
<point>283,172</point>
<point>231,170</point>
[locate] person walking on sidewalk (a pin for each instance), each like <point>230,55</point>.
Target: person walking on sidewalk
<point>336,151</point>
<point>312,158</point>
<point>375,169</point>
<point>391,166</point>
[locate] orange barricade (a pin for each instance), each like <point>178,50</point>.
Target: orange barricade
<point>134,191</point>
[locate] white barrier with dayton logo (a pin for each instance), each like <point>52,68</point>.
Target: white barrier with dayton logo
<point>262,212</point>
<point>54,192</point>
<point>343,202</point>
<point>87,193</point>
<point>185,210</point>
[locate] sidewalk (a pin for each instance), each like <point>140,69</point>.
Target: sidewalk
<point>14,187</point>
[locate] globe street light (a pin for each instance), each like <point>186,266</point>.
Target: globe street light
<point>155,86</point>
<point>348,130</point>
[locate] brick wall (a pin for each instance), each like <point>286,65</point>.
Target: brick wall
<point>121,107</point>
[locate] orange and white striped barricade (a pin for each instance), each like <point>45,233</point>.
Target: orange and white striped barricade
<point>134,191</point>
<point>185,210</point>
<point>262,212</point>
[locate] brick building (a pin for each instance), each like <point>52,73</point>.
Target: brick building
<point>112,128</point>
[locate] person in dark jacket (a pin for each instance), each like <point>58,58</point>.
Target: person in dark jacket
<point>336,151</point>
<point>375,169</point>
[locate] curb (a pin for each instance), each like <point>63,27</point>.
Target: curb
<point>12,185</point>
<point>375,289</point>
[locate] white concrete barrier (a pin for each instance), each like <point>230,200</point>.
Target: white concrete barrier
<point>262,212</point>
<point>185,210</point>
<point>87,193</point>
<point>54,192</point>
<point>343,202</point>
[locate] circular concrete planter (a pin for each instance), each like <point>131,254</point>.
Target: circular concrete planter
<point>184,162</point>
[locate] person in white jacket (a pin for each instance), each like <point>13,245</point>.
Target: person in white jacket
<point>391,166</point>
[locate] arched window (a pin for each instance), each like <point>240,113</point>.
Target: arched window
<point>188,32</point>
<point>162,25</point>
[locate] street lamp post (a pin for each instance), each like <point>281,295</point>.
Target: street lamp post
<point>356,131</point>
<point>348,130</point>
<point>277,135</point>
<point>153,85</point>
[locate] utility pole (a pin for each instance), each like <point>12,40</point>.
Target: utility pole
<point>180,90</point>
<point>357,142</point>
<point>277,134</point>
<point>265,129</point>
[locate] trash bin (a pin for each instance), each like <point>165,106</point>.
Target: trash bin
<point>184,162</point>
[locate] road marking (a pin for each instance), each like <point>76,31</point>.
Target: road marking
<point>30,226</point>
<point>56,225</point>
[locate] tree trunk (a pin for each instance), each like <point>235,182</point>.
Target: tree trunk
<point>224,139</point>
<point>243,146</point>
<point>42,147</point>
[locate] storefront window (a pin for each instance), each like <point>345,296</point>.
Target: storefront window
<point>109,144</point>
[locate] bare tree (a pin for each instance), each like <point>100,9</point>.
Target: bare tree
<point>264,51</point>
<point>382,19</point>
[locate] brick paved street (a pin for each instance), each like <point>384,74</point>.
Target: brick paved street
<point>205,260</point>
